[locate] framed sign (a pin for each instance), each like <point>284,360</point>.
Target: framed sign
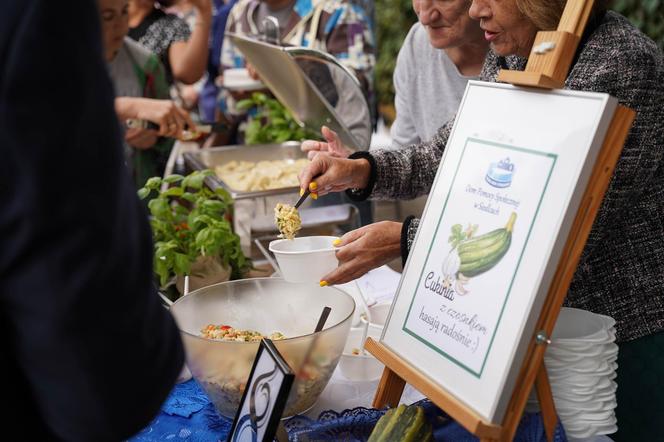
<point>509,185</point>
<point>263,400</point>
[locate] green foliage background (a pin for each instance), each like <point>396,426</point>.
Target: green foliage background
<point>393,21</point>
<point>395,17</point>
<point>647,15</point>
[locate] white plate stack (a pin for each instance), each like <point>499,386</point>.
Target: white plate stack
<point>581,364</point>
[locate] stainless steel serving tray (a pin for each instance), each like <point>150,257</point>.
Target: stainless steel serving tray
<point>218,156</point>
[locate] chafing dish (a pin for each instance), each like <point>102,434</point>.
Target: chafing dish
<point>218,156</point>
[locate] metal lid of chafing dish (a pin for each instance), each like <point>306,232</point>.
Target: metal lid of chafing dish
<point>313,86</point>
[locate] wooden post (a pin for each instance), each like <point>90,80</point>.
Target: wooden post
<point>545,398</point>
<point>397,368</point>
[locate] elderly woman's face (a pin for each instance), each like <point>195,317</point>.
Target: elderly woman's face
<point>447,22</point>
<point>505,27</point>
<point>114,25</point>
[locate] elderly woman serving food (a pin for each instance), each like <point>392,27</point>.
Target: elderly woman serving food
<point>621,272</point>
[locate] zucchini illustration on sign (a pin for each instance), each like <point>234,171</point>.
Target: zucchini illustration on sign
<point>473,255</point>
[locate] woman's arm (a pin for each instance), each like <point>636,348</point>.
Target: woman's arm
<point>383,174</point>
<point>188,59</point>
<point>409,172</point>
<point>172,119</point>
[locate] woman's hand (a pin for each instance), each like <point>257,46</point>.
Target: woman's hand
<point>365,249</point>
<point>334,175</point>
<point>172,119</point>
<point>333,147</point>
<point>141,138</point>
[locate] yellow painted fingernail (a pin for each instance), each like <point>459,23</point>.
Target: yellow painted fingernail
<point>323,283</point>
<point>301,192</point>
<point>336,242</point>
<point>313,186</point>
<point>314,196</point>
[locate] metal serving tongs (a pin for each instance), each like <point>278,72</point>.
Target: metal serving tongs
<point>167,302</point>
<point>189,133</point>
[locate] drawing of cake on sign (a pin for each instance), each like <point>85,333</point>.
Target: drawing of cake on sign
<point>500,174</point>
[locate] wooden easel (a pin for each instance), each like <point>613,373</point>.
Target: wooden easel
<point>547,69</point>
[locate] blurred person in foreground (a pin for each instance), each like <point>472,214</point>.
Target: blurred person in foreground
<point>142,93</point>
<point>621,271</point>
<point>89,351</point>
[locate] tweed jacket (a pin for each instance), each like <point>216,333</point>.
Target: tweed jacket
<point>621,272</point>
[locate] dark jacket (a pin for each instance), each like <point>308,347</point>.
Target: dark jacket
<point>87,350</point>
<point>621,272</point>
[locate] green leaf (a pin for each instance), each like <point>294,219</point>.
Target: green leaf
<point>259,97</point>
<point>188,196</point>
<point>457,235</point>
<point>181,265</point>
<point>159,208</point>
<point>223,193</point>
<point>173,191</point>
<point>245,104</point>
<point>143,193</point>
<point>213,206</point>
<point>194,181</point>
<point>252,132</point>
<point>153,183</point>
<point>173,178</point>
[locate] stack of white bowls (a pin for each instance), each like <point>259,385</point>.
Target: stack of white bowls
<point>581,364</point>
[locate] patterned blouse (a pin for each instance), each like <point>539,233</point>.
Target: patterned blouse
<point>621,271</point>
<point>136,72</point>
<point>157,32</point>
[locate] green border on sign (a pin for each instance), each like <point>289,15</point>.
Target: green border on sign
<point>426,342</point>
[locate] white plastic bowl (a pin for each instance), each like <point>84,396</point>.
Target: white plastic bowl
<point>379,313</point>
<point>305,258</point>
<point>238,79</point>
<point>580,325</point>
<point>359,367</point>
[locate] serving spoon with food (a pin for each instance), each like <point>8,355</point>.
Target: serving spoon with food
<point>288,218</point>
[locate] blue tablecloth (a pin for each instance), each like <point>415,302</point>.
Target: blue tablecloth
<point>188,415</point>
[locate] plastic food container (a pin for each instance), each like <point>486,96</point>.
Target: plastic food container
<point>306,258</point>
